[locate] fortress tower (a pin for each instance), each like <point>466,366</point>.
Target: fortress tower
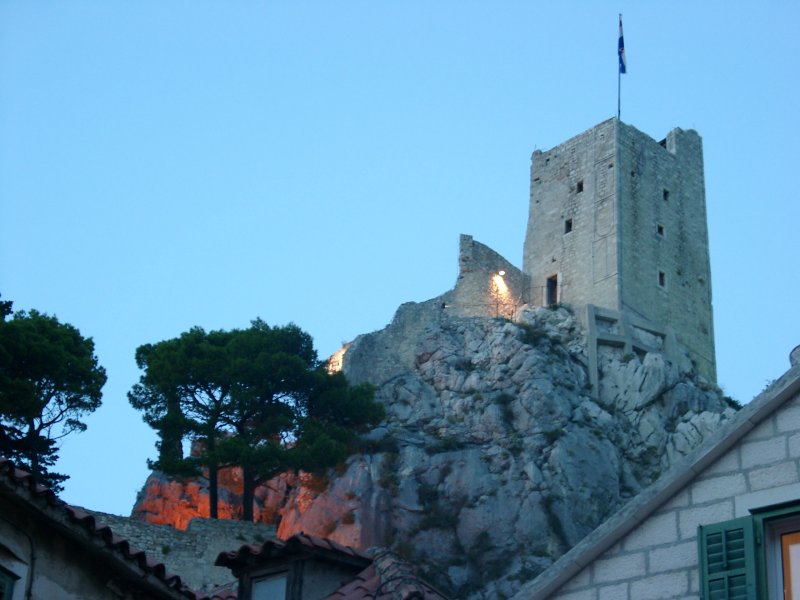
<point>617,229</point>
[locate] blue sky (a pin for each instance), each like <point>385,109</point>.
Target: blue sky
<point>172,163</point>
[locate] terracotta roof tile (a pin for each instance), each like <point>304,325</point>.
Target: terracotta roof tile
<point>385,577</point>
<point>21,478</point>
<point>388,578</point>
<point>297,543</point>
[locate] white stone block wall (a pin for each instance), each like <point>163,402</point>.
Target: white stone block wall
<point>658,559</point>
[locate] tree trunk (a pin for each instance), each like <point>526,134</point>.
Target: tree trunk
<point>213,491</point>
<point>248,491</point>
<point>213,479</point>
<point>32,452</point>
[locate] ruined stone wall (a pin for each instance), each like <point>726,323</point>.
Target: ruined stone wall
<point>488,285</point>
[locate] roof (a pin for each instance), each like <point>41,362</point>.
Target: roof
<point>387,578</point>
<point>84,529</point>
<point>644,504</point>
<point>300,543</point>
<point>384,575</point>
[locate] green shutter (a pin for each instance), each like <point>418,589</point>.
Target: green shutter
<point>728,560</point>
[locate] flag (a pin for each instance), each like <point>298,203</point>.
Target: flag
<point>621,49</point>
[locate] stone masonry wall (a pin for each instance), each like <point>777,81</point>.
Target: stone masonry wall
<point>665,275</point>
<point>572,222</point>
<point>488,285</point>
<point>658,559</point>
<point>190,553</point>
<point>618,220</point>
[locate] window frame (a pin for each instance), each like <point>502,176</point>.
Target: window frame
<point>771,522</point>
<point>763,560</point>
<point>7,581</point>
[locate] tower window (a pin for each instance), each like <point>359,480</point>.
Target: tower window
<point>567,225</point>
<point>666,195</point>
<point>660,230</point>
<point>580,186</point>
<point>662,279</point>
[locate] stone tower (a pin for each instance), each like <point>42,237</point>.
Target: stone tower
<point>617,222</point>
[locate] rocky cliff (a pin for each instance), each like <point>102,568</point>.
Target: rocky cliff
<point>495,456</point>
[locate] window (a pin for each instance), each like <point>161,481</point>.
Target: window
<point>271,587</point>
<point>580,186</point>
<point>662,279</point>
<point>756,557</point>
<point>665,195</point>
<point>6,585</point>
<point>567,225</point>
<point>660,230</point>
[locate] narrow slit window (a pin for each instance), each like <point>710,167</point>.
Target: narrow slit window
<point>580,186</point>
<point>567,225</point>
<point>662,279</point>
<point>665,195</point>
<point>660,230</point>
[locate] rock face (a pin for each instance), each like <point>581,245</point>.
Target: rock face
<point>494,458</point>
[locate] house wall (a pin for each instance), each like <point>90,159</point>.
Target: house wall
<point>658,559</point>
<point>60,568</point>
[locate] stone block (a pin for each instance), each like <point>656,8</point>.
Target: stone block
<point>587,594</point>
<point>581,580</point>
<point>764,452</point>
<point>727,464</point>
<point>773,476</point>
<point>658,529</point>
<point>660,587</point>
<point>788,419</point>
<point>619,568</point>
<point>764,430</point>
<point>794,446</point>
<point>690,518</point>
<point>617,591</point>
<point>716,488</point>
<point>679,556</point>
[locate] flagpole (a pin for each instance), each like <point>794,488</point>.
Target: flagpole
<point>619,77</point>
<point>619,93</point>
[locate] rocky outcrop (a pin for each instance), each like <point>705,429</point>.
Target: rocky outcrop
<point>495,457</point>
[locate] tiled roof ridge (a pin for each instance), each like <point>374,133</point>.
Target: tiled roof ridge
<point>22,478</point>
<point>399,578</point>
<point>296,542</point>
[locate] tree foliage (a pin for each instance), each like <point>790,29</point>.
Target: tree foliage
<point>256,398</point>
<point>49,380</point>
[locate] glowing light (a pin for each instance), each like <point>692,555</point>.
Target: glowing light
<point>501,273</point>
<point>500,287</point>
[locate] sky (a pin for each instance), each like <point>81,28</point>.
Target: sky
<point>166,164</point>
